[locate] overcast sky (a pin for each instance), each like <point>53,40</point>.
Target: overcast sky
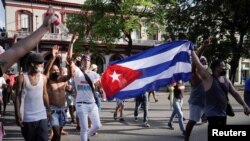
<point>2,15</point>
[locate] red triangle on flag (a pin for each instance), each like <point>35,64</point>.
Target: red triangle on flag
<point>116,78</point>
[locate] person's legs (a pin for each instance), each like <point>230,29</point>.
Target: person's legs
<point>145,109</point>
<point>71,112</point>
<point>179,112</point>
<point>28,131</point>
<point>82,113</point>
<point>137,104</point>
<point>55,123</point>
<point>42,131</point>
<point>95,119</point>
<point>1,101</point>
<point>195,113</point>
<point>121,111</point>
<point>5,100</point>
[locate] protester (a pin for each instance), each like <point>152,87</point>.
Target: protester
<point>177,106</point>
<point>98,90</point>
<point>142,100</point>
<point>2,87</point>
<point>119,107</point>
<point>154,96</point>
<point>86,107</point>
<point>56,89</point>
<point>24,46</point>
<point>32,100</point>
<point>216,87</point>
<point>197,95</point>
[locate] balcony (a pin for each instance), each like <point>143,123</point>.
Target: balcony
<point>67,38</point>
<point>46,37</point>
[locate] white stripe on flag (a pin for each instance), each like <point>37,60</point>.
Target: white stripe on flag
<point>178,68</point>
<point>166,56</point>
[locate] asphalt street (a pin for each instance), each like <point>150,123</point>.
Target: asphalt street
<point>129,130</point>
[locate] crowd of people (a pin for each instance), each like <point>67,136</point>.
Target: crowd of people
<point>45,92</point>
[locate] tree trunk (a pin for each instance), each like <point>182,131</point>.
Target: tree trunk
<point>235,59</point>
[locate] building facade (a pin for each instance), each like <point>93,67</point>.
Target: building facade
<point>25,16</point>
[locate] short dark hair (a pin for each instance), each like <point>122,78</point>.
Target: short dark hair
<point>215,64</point>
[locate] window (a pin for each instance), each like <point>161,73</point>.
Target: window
<point>24,21</point>
<point>152,32</point>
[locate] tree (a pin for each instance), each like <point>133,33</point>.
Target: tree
<point>110,20</point>
<point>227,22</point>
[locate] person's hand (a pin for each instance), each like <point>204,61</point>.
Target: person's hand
<point>19,120</point>
<point>246,110</point>
<point>55,50</point>
<point>48,114</point>
<point>206,43</point>
<point>74,37</point>
<point>47,17</point>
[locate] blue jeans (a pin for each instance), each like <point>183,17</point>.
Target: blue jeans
<point>177,110</point>
<point>143,101</point>
<point>35,131</point>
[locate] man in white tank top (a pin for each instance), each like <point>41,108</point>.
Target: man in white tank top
<point>31,113</point>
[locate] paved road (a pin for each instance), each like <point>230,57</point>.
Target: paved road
<point>111,130</point>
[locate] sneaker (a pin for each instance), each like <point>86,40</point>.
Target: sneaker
<point>184,133</point>
<point>170,125</point>
<point>136,119</point>
<point>78,128</point>
<point>156,100</point>
<point>145,124</point>
<point>121,119</point>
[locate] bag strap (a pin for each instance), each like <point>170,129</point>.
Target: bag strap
<point>89,81</point>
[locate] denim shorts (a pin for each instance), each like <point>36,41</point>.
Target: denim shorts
<point>58,117</point>
<point>195,112</point>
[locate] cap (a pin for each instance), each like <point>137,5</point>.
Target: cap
<point>35,57</point>
<point>86,56</point>
<point>203,58</point>
<point>93,67</point>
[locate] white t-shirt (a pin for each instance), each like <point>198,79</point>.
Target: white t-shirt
<point>2,81</point>
<point>83,89</point>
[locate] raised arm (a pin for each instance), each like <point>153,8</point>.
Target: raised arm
<point>195,78</point>
<point>24,46</point>
<point>70,50</point>
<point>238,98</point>
<point>202,72</point>
<point>55,51</point>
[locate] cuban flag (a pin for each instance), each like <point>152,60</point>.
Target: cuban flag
<point>149,70</point>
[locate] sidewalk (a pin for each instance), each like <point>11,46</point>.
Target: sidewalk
<point>111,130</point>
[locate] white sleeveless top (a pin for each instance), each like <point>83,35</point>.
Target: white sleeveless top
<point>32,100</point>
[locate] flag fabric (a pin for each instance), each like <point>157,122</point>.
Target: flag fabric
<point>148,70</point>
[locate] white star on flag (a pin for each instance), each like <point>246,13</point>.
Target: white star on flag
<point>115,76</point>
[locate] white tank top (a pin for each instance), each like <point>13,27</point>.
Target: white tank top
<point>32,100</point>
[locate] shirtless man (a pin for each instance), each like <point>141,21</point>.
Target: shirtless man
<point>56,91</point>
